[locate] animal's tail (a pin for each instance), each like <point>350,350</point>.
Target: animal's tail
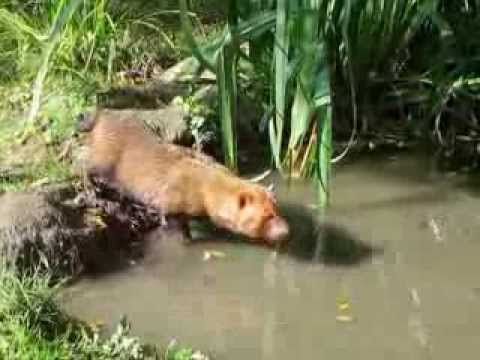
<point>86,121</point>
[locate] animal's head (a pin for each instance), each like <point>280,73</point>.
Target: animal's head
<point>252,211</point>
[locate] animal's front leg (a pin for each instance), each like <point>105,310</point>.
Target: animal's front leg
<point>180,223</point>
<point>163,220</point>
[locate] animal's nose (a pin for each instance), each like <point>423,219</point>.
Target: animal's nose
<point>276,230</point>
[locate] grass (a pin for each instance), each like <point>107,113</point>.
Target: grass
<point>323,62</point>
<point>55,126</point>
<point>39,103</point>
<point>33,326</point>
<point>52,62</point>
<point>309,62</point>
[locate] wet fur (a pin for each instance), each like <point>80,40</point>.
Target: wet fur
<point>177,180</point>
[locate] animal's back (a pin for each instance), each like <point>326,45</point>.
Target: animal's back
<point>165,175</point>
<point>171,177</point>
<point>111,136</point>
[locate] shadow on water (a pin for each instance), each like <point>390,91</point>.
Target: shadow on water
<point>109,261</point>
<point>323,242</point>
<point>117,253</point>
<point>469,184</point>
<point>310,240</point>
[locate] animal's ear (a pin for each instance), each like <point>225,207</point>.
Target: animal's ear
<point>244,198</point>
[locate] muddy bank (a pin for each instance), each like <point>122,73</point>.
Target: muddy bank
<point>36,229</point>
<point>65,231</point>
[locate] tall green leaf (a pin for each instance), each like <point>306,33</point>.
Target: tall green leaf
<point>226,80</point>
<point>63,15</point>
<point>302,105</point>
<point>281,49</point>
<point>324,154</point>
<point>209,60</point>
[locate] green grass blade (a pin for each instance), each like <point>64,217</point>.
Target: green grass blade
<point>324,155</point>
<point>302,104</point>
<point>208,61</point>
<point>18,25</point>
<point>256,26</point>
<point>281,47</point>
<point>63,16</point>
<point>227,89</point>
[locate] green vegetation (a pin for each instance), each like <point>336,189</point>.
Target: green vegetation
<point>324,61</point>
<point>54,57</point>
<point>320,68</point>
<point>32,326</point>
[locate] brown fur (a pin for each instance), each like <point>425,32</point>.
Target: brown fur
<point>177,180</point>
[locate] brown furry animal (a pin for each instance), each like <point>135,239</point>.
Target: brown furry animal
<point>177,180</point>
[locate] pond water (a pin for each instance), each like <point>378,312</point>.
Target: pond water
<point>416,298</point>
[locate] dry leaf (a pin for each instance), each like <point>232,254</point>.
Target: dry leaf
<point>213,254</point>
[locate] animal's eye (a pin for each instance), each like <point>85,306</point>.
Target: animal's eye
<point>242,202</point>
<point>269,217</point>
<point>244,199</point>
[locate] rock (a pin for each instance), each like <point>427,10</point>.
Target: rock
<point>208,76</point>
<point>206,94</point>
<point>248,113</point>
<point>168,124</point>
<point>128,97</point>
<point>173,82</point>
<point>182,71</point>
<point>152,95</point>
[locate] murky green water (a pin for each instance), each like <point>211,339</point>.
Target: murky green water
<point>417,299</point>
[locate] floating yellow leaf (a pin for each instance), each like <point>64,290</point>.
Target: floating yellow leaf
<point>343,310</point>
<point>213,254</point>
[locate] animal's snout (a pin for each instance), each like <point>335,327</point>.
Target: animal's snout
<point>276,230</point>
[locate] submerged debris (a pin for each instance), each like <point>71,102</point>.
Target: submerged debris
<point>437,233</point>
<point>415,297</point>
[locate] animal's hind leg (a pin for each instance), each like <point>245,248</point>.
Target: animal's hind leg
<point>101,173</point>
<point>102,178</point>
